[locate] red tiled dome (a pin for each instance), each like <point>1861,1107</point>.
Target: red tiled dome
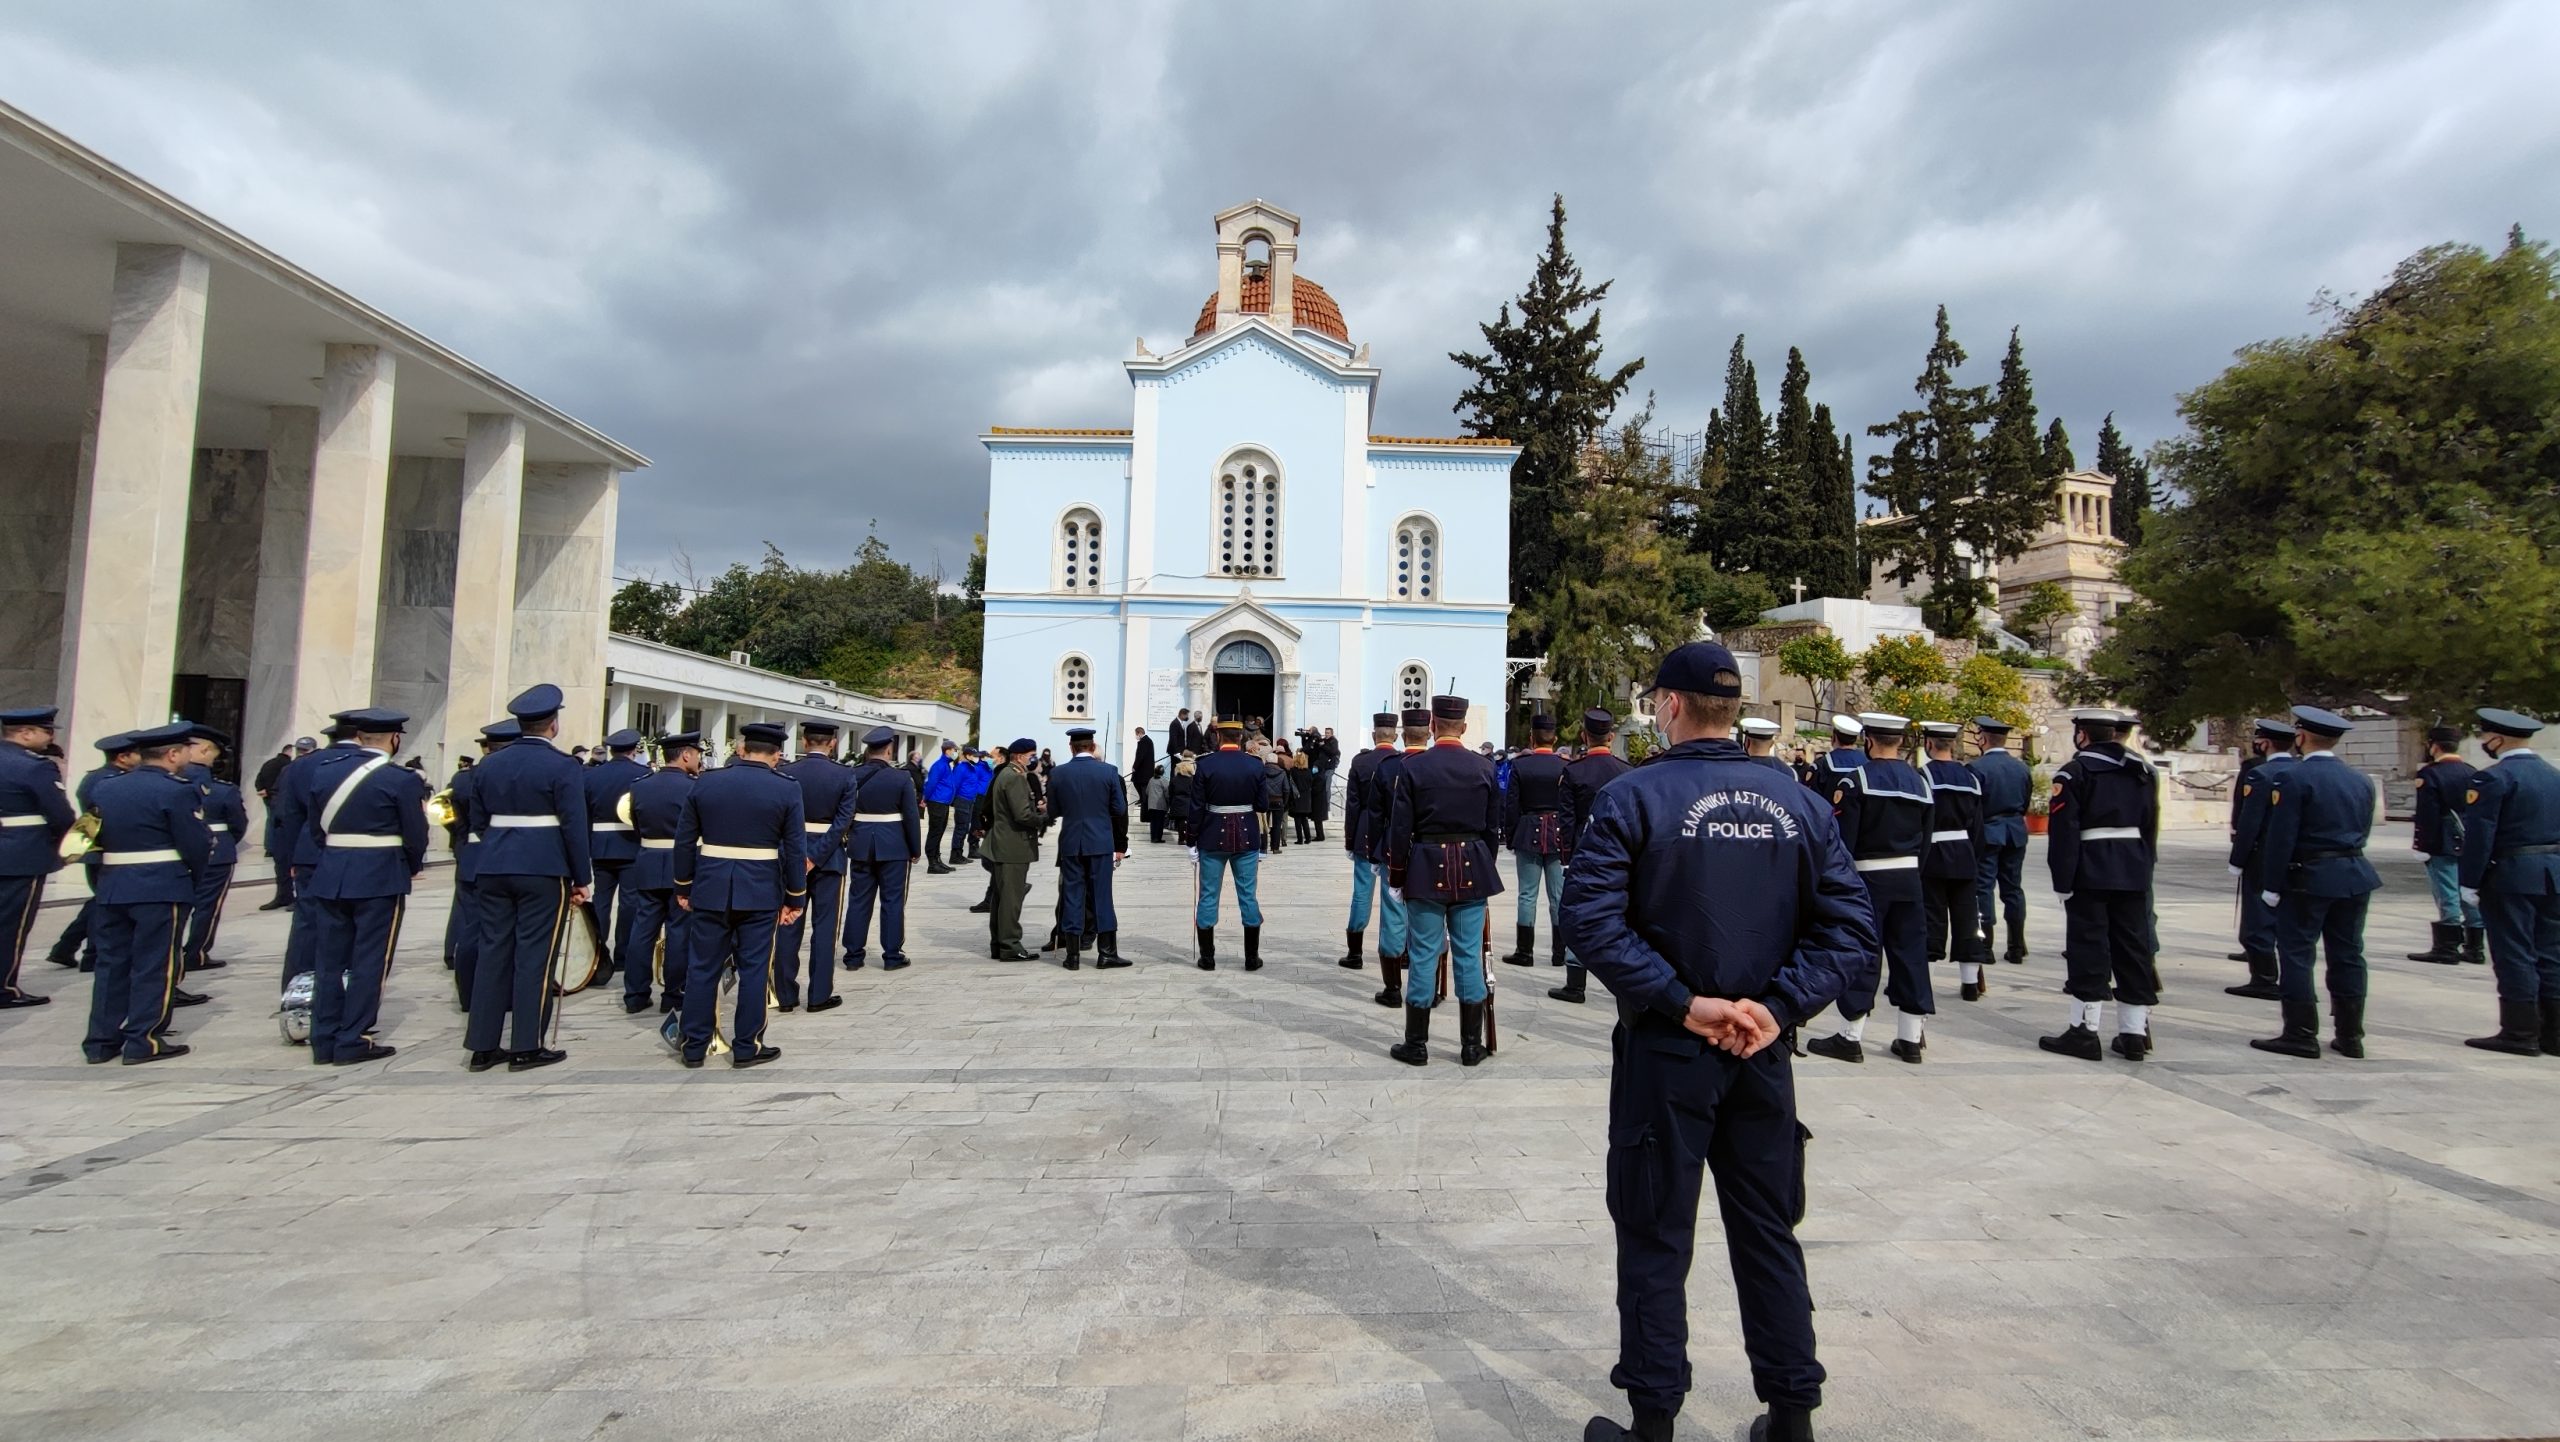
<point>1314,308</point>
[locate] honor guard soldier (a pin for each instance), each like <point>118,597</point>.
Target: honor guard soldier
<point>826,802</point>
<point>1533,827</point>
<point>2000,874</point>
<point>611,848</point>
<point>1717,904</point>
<point>880,853</point>
<point>2511,872</point>
<point>657,809</point>
<point>1885,810</point>
<point>35,815</point>
<point>2436,833</point>
<point>1443,827</point>
<point>152,846</point>
<point>226,815</point>
<point>462,919</point>
<point>2319,817</point>
<point>1012,829</point>
<point>1394,919</point>
<point>294,809</point>
<point>1845,754</point>
<point>116,756</point>
<point>1355,839</point>
<point>2271,748</point>
<point>1090,804</point>
<point>529,809</point>
<point>1595,768</point>
<point>742,872</point>
<point>1951,868</point>
<point>372,825</point>
<point>2102,840</point>
<point>1760,744</point>
<point>1226,835</point>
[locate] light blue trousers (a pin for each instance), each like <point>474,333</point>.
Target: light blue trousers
<point>1214,865</point>
<point>2444,876</point>
<point>1430,923</point>
<point>1532,869</point>
<point>1364,885</point>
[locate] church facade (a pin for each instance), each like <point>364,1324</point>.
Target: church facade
<point>1245,544</point>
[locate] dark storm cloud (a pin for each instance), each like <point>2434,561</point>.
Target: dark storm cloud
<point>803,257</point>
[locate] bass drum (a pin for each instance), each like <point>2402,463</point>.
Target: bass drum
<point>293,1010</point>
<point>580,954</point>
<point>723,1007</point>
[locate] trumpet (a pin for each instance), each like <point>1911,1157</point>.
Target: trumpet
<point>82,836</point>
<point>440,807</point>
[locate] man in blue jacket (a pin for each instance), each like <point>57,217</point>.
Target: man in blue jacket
<point>977,778</point>
<point>2511,871</point>
<point>2271,748</point>
<point>2001,874</point>
<point>1715,900</point>
<point>227,817</point>
<point>2102,843</point>
<point>826,806</point>
<point>2314,873</point>
<point>1355,838</point>
<point>1090,805</point>
<point>116,757</point>
<point>372,829</point>
<point>152,846</point>
<point>1444,828</point>
<point>462,921</point>
<point>1394,937</point>
<point>292,823</point>
<point>2435,832</point>
<point>657,810</point>
<point>35,815</point>
<point>1533,828</point>
<point>610,845</point>
<point>529,809</point>
<point>742,870</point>
<point>1224,830</point>
<point>941,789</point>
<point>879,852</point>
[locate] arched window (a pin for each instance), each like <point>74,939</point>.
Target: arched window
<point>1075,688</point>
<point>1413,686</point>
<point>1417,560</point>
<point>1244,517</point>
<point>1080,552</point>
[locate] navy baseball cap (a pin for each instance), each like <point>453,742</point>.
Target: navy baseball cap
<point>1692,668</point>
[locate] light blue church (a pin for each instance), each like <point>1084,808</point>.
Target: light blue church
<point>1247,545</point>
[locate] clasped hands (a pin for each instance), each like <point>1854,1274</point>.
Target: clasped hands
<point>1740,1027</point>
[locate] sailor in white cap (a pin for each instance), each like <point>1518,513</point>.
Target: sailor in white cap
<point>1760,741</point>
<point>1884,809</point>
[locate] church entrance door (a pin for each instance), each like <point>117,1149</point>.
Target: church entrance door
<point>1244,683</point>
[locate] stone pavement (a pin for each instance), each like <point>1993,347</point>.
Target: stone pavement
<point>987,1201</point>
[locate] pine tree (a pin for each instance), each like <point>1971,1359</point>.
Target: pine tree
<point>1935,481</point>
<point>2132,475</point>
<point>1832,566</point>
<point>1539,384</point>
<point>2057,449</point>
<point>2020,479</point>
<point>1733,470</point>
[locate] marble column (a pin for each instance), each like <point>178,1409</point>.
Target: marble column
<point>342,575</point>
<point>484,580</point>
<point>564,589</point>
<point>275,624</point>
<point>120,633</point>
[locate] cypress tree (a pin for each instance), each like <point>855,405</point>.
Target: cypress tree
<point>2132,475</point>
<point>2057,449</point>
<point>1934,480</point>
<point>1832,566</point>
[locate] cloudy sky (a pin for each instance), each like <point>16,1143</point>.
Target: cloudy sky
<point>802,255</point>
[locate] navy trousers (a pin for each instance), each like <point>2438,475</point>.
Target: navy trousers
<point>1949,912</point>
<point>1999,875</point>
<point>297,934</point>
<point>75,937</point>
<point>710,939</point>
<point>520,921</point>
<point>885,882</point>
<point>19,898</point>
<point>1084,888</point>
<point>1902,919</point>
<point>2311,927</point>
<point>2107,952</point>
<point>351,952</point>
<point>817,925</point>
<point>647,915</point>
<point>1678,1110</point>
<point>205,918</point>
<point>137,969</point>
<point>2524,944</point>
<point>608,886</point>
<point>2257,919</point>
<point>462,940</point>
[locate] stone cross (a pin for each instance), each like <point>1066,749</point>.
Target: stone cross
<point>1799,586</point>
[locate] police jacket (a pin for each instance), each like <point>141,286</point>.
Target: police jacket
<point>34,813</point>
<point>2437,828</point>
<point>1885,809</point>
<point>1355,798</point>
<point>2249,822</point>
<point>1382,793</point>
<point>2319,817</point>
<point>2006,785</point>
<point>2102,822</point>
<point>1090,806</point>
<point>2511,826</point>
<point>884,814</point>
<point>1226,792</point>
<point>942,781</point>
<point>1584,777</point>
<point>742,842</point>
<point>295,805</point>
<point>225,814</point>
<point>152,844</point>
<point>610,837</point>
<point>657,809</point>
<point>1955,823</point>
<point>1013,820</point>
<point>826,806</point>
<point>1533,803</point>
<point>372,823</point>
<point>529,809</point>
<point>1445,826</point>
<point>1701,874</point>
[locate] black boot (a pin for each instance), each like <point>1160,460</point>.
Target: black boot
<point>2519,1030</point>
<point>1525,947</point>
<point>2346,1032</point>
<point>1106,952</point>
<point>1054,942</point>
<point>1572,989</point>
<point>1208,948</point>
<point>1415,1049</point>
<point>1351,957</point>
<point>2475,945</point>
<point>1075,953</point>
<point>1649,1427</point>
<point>2261,985</point>
<point>2017,951</point>
<point>1470,1033</point>
<point>2301,1034</point>
<point>2550,1037</point>
<point>1253,948</point>
<point>2444,945</point>
<point>1782,1424</point>
<point>1391,977</point>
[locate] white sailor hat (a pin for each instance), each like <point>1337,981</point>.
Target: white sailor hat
<point>1884,721</point>
<point>1759,726</point>
<point>1846,725</point>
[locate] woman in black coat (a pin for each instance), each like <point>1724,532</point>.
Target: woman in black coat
<point>1302,797</point>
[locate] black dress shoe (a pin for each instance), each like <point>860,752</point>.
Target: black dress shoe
<point>2132,1046</point>
<point>853,964</point>
<point>1016,954</point>
<point>634,1005</point>
<point>365,1051</point>
<point>830,1004</point>
<point>2075,1040</point>
<point>893,963</point>
<point>22,998</point>
<point>207,964</point>
<point>757,1055</point>
<point>540,1056</point>
<point>668,1003</point>
<point>322,1058</point>
<point>693,1061</point>
<point>483,1060</point>
<point>178,997</point>
<point>278,904</point>
<point>1836,1047</point>
<point>1109,961</point>
<point>163,1054</point>
<point>1909,1051</point>
<point>983,907</point>
<point>98,1059</point>
<point>793,1004</point>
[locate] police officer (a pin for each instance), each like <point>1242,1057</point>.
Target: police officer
<point>529,809</point>
<point>294,809</point>
<point>462,920</point>
<point>657,809</point>
<point>2319,817</point>
<point>1950,870</point>
<point>1090,805</point>
<point>1845,754</point>
<point>1885,809</point>
<point>2511,872</point>
<point>1718,905</point>
<point>1595,768</point>
<point>941,789</point>
<point>1012,828</point>
<point>2436,833</point>
<point>2102,840</point>
<point>826,804</point>
<point>880,852</point>
<point>1444,823</point>
<point>2002,857</point>
<point>116,756</point>
<point>742,872</point>
<point>1533,827</point>
<point>1225,833</point>
<point>1355,839</point>
<point>226,815</point>
<point>1760,744</point>
<point>35,815</point>
<point>610,845</point>
<point>372,824</point>
<point>2271,744</point>
<point>152,846</point>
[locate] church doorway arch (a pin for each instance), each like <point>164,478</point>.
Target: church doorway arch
<point>1243,681</point>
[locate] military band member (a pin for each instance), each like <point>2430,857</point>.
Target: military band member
<point>1595,768</point>
<point>742,873</point>
<point>1355,839</point>
<point>1950,869</point>
<point>880,853</point>
<point>227,817</point>
<point>529,809</point>
<point>152,846</point>
<point>1444,823</point>
<point>1394,918</point>
<point>2272,746</point>
<point>294,808</point>
<point>657,810</point>
<point>372,829</point>
<point>2006,785</point>
<point>1090,805</point>
<point>2458,933</point>
<point>826,801</point>
<point>462,919</point>
<point>2102,840</point>
<point>1013,826</point>
<point>2511,871</point>
<point>1225,831</point>
<point>2319,817</point>
<point>1885,809</point>
<point>611,848</point>
<point>116,756</point>
<point>1533,827</point>
<point>35,814</point>
<point>1760,743</point>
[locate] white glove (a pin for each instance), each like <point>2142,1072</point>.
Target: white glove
<point>2235,870</point>
<point>2470,896</point>
<point>1398,893</point>
<point>2062,896</point>
<point>1194,852</point>
<point>2270,898</point>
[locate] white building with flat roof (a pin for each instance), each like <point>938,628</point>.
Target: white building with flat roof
<point>657,689</point>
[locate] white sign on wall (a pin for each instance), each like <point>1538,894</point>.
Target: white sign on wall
<point>1320,692</point>
<point>1164,697</point>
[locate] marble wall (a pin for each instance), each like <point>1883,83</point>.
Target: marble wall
<point>413,636</point>
<point>226,514</point>
<point>564,578</point>
<point>36,487</point>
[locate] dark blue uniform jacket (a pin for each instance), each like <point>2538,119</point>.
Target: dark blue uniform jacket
<point>1533,803</point>
<point>742,840</point>
<point>1444,827</point>
<point>529,809</point>
<point>377,838</point>
<point>2006,785</point>
<point>1355,799</point>
<point>147,811</point>
<point>2102,822</point>
<point>2511,827</point>
<point>2436,830</point>
<point>225,814</point>
<point>2319,818</point>
<point>606,784</point>
<point>885,815</point>
<point>1382,798</point>
<point>295,806</point>
<point>1884,809</point>
<point>2249,822</point>
<point>1955,823</point>
<point>1229,778</point>
<point>37,813</point>
<point>1584,779</point>
<point>657,806</point>
<point>826,807</point>
<point>1090,806</point>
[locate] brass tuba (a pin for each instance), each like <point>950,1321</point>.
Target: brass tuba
<point>82,836</point>
<point>440,808</point>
